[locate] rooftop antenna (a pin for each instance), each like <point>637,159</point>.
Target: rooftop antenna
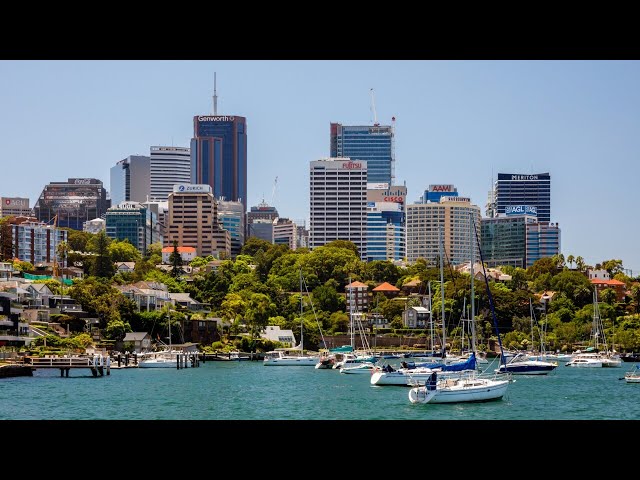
<point>373,108</point>
<point>215,95</point>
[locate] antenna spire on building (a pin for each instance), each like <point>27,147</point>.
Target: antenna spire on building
<point>373,108</point>
<point>215,95</point>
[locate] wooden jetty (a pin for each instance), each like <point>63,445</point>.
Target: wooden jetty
<point>98,364</point>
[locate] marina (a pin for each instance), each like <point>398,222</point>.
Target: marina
<point>250,391</point>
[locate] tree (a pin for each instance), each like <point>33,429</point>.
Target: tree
<point>103,266</point>
<point>612,267</point>
<point>608,296</point>
<point>175,259</point>
<point>571,259</point>
<point>6,240</point>
<point>580,263</point>
<point>259,309</point>
<point>326,298</point>
<point>123,251</point>
<point>253,244</point>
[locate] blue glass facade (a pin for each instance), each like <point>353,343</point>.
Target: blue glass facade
<point>137,225</point>
<point>504,240</point>
<point>524,189</point>
<point>543,240</point>
<point>385,235</point>
<point>232,217</point>
<point>373,143</point>
<point>219,156</point>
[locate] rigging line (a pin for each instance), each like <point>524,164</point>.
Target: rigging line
<point>493,310</point>
<point>306,288</point>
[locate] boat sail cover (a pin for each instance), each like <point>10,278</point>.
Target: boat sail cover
<point>468,364</point>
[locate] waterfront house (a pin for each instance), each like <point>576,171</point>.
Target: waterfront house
<point>276,334</point>
<point>358,294</point>
<point>387,290</point>
<point>602,284</point>
<point>415,317</point>
<point>184,300</point>
<point>141,341</point>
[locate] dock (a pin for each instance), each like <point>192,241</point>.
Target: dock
<point>98,364</point>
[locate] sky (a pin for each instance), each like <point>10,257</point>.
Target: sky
<point>457,122</point>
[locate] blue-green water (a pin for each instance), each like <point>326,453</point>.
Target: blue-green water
<point>251,391</point>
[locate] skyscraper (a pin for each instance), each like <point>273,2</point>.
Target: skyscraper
<point>168,166</point>
<point>371,143</point>
<point>74,202</point>
<point>524,189</point>
<point>219,155</point>
<point>231,215</point>
<point>134,222</point>
<point>338,194</point>
<point>129,180</point>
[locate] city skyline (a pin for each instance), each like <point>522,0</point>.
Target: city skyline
<point>457,122</point>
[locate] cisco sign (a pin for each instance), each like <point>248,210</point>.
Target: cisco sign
<point>191,188</point>
<point>223,118</point>
<point>521,210</point>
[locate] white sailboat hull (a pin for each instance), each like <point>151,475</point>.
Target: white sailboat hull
<point>359,369</point>
<point>159,360</point>
<point>293,361</point>
<point>473,390</point>
<point>400,377</point>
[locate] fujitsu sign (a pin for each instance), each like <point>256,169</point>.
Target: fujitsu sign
<point>442,188</point>
<point>223,118</point>
<point>351,165</point>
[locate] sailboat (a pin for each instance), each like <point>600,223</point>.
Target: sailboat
<point>411,375</point>
<point>166,358</point>
<point>597,355</point>
<point>522,364</point>
<point>469,386</point>
<point>290,356</point>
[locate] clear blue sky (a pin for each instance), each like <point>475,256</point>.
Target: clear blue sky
<point>457,122</point>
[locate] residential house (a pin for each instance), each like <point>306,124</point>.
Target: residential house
<point>141,341</point>
<point>357,297</point>
<point>125,267</point>
<point>601,284</point>
<point>184,300</point>
<point>415,317</point>
<point>276,334</point>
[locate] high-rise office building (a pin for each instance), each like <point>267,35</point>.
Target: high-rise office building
<point>74,202</point>
<point>373,144</point>
<point>134,222</point>
<point>231,215</point>
<point>219,155</point>
<point>193,221</point>
<point>17,206</point>
<point>168,166</point>
<point>386,237</point>
<point>452,215</point>
<point>504,238</point>
<point>523,189</point>
<point>543,240</point>
<point>436,192</point>
<point>338,201</point>
<point>129,180</point>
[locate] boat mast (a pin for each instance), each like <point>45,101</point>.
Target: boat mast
<point>301,310</point>
<point>444,326</point>
<point>430,316</point>
<point>473,306</point>
<point>351,325</point>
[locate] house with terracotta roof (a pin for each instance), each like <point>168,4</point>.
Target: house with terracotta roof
<point>601,284</point>
<point>387,290</point>
<point>412,286</point>
<point>358,296</point>
<point>187,254</point>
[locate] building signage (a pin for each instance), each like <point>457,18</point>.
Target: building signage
<point>396,194</point>
<point>455,199</point>
<point>17,202</point>
<point>521,210</point>
<point>351,165</point>
<point>191,188</point>
<point>524,177</point>
<point>378,186</point>
<point>81,181</point>
<point>224,118</point>
<point>442,188</point>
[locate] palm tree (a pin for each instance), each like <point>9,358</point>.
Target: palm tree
<point>580,263</point>
<point>571,259</point>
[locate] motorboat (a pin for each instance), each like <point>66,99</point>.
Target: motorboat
<point>633,375</point>
<point>585,360</point>
<point>161,359</point>
<point>362,367</point>
<point>521,364</point>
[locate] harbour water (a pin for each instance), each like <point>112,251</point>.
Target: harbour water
<point>252,391</point>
